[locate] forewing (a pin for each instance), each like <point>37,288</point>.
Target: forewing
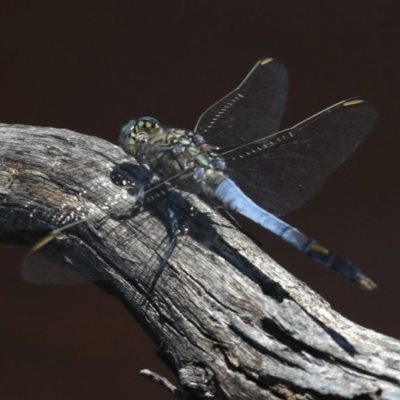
<point>251,111</point>
<point>84,193</point>
<point>283,170</point>
<point>38,269</point>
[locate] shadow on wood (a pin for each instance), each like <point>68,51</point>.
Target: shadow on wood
<point>226,318</point>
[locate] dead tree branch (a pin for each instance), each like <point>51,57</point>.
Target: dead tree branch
<point>228,321</point>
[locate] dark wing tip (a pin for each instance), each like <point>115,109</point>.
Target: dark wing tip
<point>266,60</point>
<point>362,104</point>
<point>271,61</point>
<point>273,69</point>
<point>352,101</point>
<point>359,101</point>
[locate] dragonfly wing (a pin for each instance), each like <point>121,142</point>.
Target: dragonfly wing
<point>251,111</point>
<point>38,269</point>
<point>283,170</point>
<point>98,198</point>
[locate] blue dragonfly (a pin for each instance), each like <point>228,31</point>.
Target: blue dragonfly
<point>237,156</point>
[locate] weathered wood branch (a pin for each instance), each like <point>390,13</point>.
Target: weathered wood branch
<point>227,319</point>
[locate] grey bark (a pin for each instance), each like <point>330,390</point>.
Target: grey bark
<point>227,320</point>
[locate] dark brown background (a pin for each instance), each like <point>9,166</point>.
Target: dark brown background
<point>92,68</point>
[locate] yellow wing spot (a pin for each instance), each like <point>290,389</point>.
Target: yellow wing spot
<point>148,124</point>
<point>266,61</point>
<point>352,102</point>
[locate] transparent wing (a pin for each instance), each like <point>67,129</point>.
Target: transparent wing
<point>38,269</point>
<point>282,171</point>
<point>76,192</point>
<point>251,111</point>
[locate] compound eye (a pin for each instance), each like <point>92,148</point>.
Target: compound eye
<point>147,124</point>
<point>127,130</point>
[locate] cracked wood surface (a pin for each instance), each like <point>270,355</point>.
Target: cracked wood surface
<point>227,319</point>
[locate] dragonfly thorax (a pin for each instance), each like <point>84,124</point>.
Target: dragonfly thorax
<point>178,155</point>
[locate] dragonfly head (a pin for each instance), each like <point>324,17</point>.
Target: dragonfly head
<point>137,132</point>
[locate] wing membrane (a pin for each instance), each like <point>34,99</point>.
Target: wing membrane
<point>251,111</point>
<point>283,170</point>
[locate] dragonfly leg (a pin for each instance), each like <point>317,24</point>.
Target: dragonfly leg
<point>175,228</point>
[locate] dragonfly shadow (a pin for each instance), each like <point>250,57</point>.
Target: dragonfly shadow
<point>273,329</point>
<point>175,211</point>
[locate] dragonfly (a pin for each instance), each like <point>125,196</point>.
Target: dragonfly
<point>237,157</point>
